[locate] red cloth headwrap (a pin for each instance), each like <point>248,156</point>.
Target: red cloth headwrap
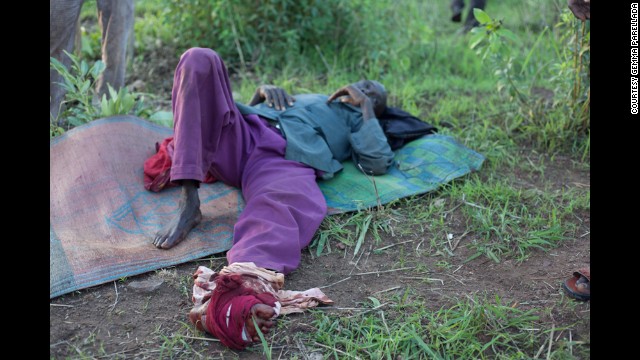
<point>230,292</point>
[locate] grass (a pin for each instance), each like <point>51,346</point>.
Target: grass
<point>504,220</point>
<point>472,328</point>
<point>176,344</point>
<point>476,327</point>
<point>266,349</point>
<point>508,221</point>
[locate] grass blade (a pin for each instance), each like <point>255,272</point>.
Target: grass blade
<point>363,232</point>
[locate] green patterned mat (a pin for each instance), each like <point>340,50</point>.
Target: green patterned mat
<point>421,166</point>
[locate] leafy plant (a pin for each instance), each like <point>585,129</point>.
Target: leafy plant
<point>565,111</point>
<point>78,82</point>
<point>570,73</point>
<point>120,102</point>
<point>79,104</point>
<point>492,42</point>
<point>54,130</point>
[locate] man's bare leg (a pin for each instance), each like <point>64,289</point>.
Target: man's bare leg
<point>188,217</point>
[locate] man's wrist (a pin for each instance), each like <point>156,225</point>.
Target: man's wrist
<point>367,110</point>
<point>256,99</point>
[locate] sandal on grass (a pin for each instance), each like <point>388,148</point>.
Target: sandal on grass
<point>579,285</point>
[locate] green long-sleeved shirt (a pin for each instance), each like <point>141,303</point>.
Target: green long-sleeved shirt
<point>322,135</point>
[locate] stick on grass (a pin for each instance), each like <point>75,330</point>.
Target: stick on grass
<point>337,282</point>
<point>384,271</point>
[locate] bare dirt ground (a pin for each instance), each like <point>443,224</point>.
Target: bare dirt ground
<point>115,320</point>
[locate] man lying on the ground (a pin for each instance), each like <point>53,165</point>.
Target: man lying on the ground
<point>274,149</point>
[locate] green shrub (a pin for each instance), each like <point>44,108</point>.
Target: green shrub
<point>79,107</point>
<point>249,32</point>
<point>78,82</point>
<point>562,117</point>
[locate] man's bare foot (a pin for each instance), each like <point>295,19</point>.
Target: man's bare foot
<point>188,217</point>
<point>263,315</point>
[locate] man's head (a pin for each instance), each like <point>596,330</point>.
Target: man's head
<point>374,91</point>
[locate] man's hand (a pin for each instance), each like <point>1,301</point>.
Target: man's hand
<point>274,96</point>
<point>580,8</point>
<point>352,95</point>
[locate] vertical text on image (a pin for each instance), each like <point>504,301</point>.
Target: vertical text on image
<point>634,58</point>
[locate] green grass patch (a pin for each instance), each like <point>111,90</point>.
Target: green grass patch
<point>404,327</point>
<point>509,221</point>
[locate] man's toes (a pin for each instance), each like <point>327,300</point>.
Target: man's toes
<point>167,244</point>
<point>172,240</point>
<point>263,312</point>
<point>265,329</point>
<point>268,324</point>
<point>159,240</point>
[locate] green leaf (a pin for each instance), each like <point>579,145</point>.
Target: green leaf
<point>363,232</point>
<point>424,346</point>
<point>69,88</point>
<point>57,65</point>
<point>508,34</point>
<point>477,38</point>
<point>493,256</point>
<point>75,121</point>
<point>473,256</point>
<point>265,347</point>
<point>375,301</point>
<point>481,16</point>
<point>127,104</point>
<point>127,101</point>
<point>97,68</point>
<point>321,242</point>
<point>113,93</point>
<point>585,49</point>
<point>104,106</point>
<point>85,86</point>
<point>73,58</point>
<point>164,118</point>
<point>84,68</point>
